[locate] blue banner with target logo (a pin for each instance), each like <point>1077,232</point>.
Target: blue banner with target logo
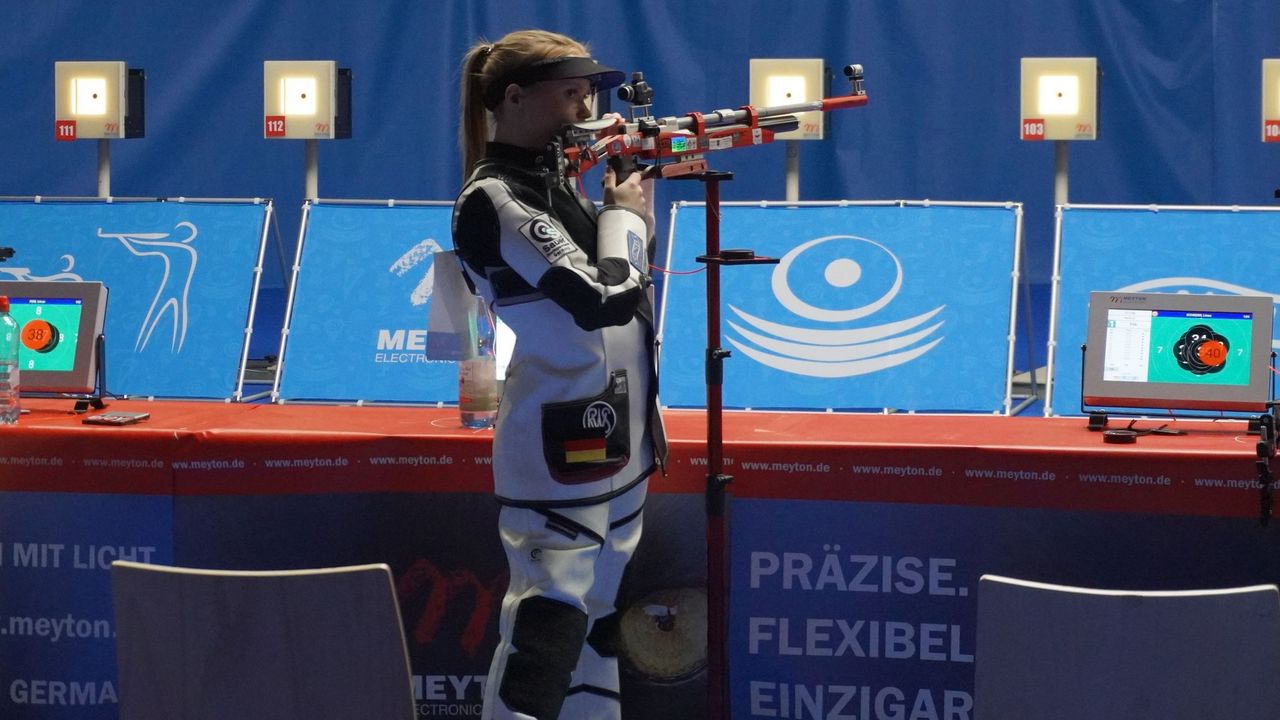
<point>880,305</point>
<point>1202,250</point>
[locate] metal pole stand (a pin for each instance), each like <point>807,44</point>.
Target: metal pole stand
<point>1061,166</point>
<point>104,168</point>
<point>717,480</point>
<point>311,171</point>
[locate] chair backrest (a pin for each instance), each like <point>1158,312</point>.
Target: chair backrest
<point>1051,651</point>
<point>242,645</point>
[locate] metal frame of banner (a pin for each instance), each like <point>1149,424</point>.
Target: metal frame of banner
<point>1056,277</point>
<point>268,223</point>
<point>293,288</point>
<point>237,393</point>
<point>288,305</point>
<point>1016,275</point>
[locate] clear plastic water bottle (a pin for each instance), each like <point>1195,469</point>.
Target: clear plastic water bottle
<point>478,371</point>
<point>10,405</point>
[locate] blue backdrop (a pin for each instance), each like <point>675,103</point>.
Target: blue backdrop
<point>1222,251</point>
<point>358,323</point>
<point>1178,124</point>
<point>179,276</point>
<point>866,310</point>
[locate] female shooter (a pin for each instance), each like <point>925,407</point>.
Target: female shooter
<point>578,431</point>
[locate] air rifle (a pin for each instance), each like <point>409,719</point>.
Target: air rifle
<point>674,146</point>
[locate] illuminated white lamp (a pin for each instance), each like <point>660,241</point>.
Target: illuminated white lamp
<point>98,101</point>
<point>1059,103</point>
<point>306,100</point>
<point>786,81</point>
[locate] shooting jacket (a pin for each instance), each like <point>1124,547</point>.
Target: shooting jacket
<point>578,422</point>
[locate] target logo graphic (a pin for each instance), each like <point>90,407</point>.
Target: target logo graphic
<point>1201,351</point>
<point>868,276</point>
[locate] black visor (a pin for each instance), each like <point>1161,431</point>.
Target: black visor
<point>558,68</point>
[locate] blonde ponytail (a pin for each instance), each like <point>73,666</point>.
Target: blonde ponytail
<point>473,131</point>
<point>486,62</point>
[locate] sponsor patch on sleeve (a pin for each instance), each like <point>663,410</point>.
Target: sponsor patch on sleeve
<point>636,252</point>
<point>547,238</point>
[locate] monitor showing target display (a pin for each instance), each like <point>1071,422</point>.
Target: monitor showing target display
<point>58,327</point>
<point>1176,351</point>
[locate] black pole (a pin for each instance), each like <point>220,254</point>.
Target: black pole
<point>717,574</point>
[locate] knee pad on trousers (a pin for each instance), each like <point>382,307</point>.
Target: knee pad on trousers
<point>546,640</point>
<point>604,637</point>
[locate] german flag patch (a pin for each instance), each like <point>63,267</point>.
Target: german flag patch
<point>588,450</point>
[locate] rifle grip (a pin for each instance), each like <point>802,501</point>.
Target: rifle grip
<point>623,166</point>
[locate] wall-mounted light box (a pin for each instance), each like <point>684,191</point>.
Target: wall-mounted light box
<point>1059,99</point>
<point>97,100</point>
<point>1271,100</point>
<point>306,100</point>
<point>786,81</point>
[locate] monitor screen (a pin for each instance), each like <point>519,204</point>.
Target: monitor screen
<point>49,332</point>
<point>58,326</point>
<point>1176,351</point>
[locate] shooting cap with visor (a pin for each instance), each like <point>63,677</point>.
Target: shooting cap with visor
<point>556,68</point>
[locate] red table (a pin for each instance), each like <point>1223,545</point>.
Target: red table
<point>222,448</point>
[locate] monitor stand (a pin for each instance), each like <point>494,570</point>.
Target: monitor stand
<point>94,401</point>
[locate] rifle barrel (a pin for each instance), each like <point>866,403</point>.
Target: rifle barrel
<point>731,117</point>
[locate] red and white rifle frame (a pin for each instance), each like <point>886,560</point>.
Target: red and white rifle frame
<point>675,145</point>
